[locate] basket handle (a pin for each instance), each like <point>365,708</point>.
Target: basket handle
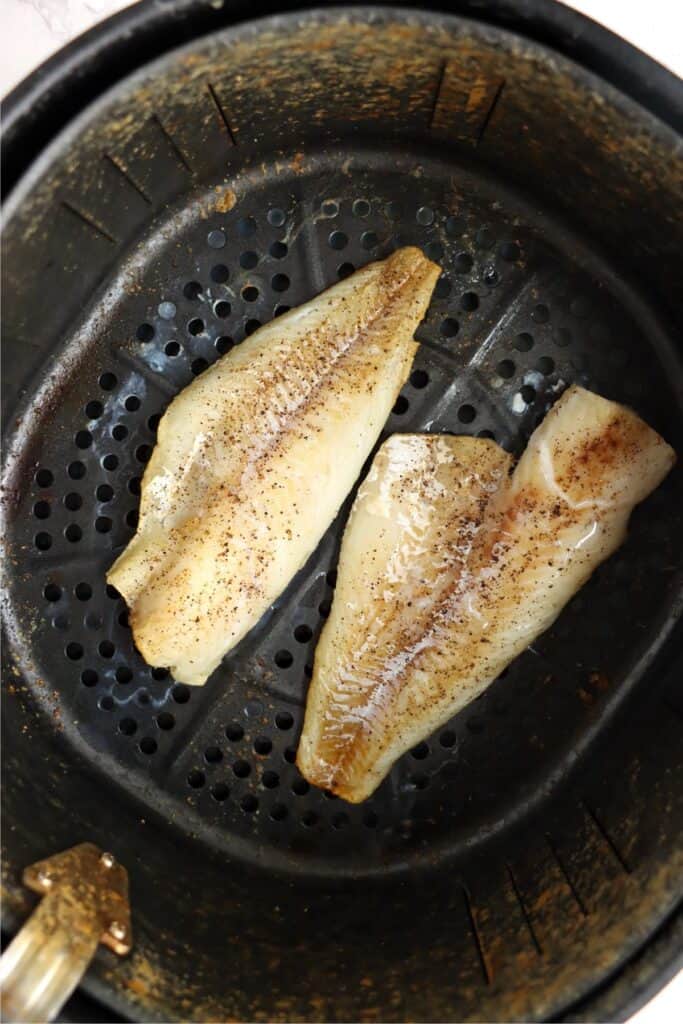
<point>84,902</point>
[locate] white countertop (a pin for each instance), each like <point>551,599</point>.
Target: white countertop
<point>32,30</point>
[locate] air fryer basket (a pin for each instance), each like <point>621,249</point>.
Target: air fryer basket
<point>515,861</point>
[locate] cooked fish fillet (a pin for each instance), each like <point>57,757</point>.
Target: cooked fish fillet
<point>255,457</point>
<point>450,567</point>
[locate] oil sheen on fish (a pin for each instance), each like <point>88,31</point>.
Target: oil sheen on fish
<point>450,567</point>
<point>255,457</point>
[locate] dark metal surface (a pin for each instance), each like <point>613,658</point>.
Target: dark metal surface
<point>524,853</point>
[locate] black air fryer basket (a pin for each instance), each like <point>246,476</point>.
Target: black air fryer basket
<point>180,176</point>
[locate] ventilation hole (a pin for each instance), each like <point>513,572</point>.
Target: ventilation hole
<point>216,239</point>
<point>166,310</point>
<point>345,270</point>
<point>123,619</point>
<point>401,406</point>
<point>195,326</point>
<point>213,755</point>
<point>107,649</point>
<point>509,251</point>
<point>506,369</point>
<point>106,703</point>
<point>331,578</point>
<point>83,591</point>
<point>303,634</point>
<point>490,276</point>
<point>220,792</point>
<point>338,240</point>
<point>103,524</point>
<point>278,812</point>
<point>447,739</point>
<point>83,439</point>
<point>94,410</point>
<point>251,326</point>
<point>449,327</point>
<point>250,293</point>
<point>74,651</point>
<point>76,470</point>
<point>110,462</point>
<point>103,493</point>
<point>223,344</point>
<point>246,227</point>
<point>143,452</point>
<point>89,677</point>
<point>154,421</point>
<point>370,819</point>
<point>160,674</point>
<point>329,207</point>
<point>425,216</point>
<point>132,518</point>
<point>523,342</point>
<point>300,787</point>
<point>463,263</point>
<point>148,745</point>
<point>545,365</point>
<point>195,778</point>
<point>44,478</point>
<point>283,659</point>
<point>119,432</point>
<point>309,819</point>
<point>132,403</point>
<point>276,217</point>
<point>324,608</point>
<point>199,365</point>
<point>220,273</point>
<point>488,434</point>
<point>262,745</point>
<point>41,509</point>
<point>540,313</point>
<point>528,393</point>
<point>123,674</point>
<point>73,533</point>
<point>420,752</point>
<point>284,720</point>
<point>234,732</point>
<point>278,250</point>
<point>290,755</point>
<point>145,332</point>
<point>249,804</point>
<point>419,379</point>
<point>165,721</point>
<point>108,381</point>
<point>73,501</point>
<point>112,592</point>
<point>443,288</point>
<point>270,780</point>
<point>420,781</point>
<point>279,310</point>
<point>466,413</point>
<point>52,592</point>
<point>172,348</point>
<point>369,240</point>
<point>469,301</point>
<point>280,283</point>
<point>128,726</point>
<point>360,208</point>
<point>192,290</point>
<point>180,693</point>
<point>222,309</point>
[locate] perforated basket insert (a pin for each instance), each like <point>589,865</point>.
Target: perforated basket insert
<point>512,322</point>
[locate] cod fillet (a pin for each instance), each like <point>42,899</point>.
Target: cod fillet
<point>255,457</point>
<point>450,567</point>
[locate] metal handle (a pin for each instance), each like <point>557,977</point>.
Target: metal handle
<point>85,902</point>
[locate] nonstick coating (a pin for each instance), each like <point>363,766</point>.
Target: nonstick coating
<point>524,307</point>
